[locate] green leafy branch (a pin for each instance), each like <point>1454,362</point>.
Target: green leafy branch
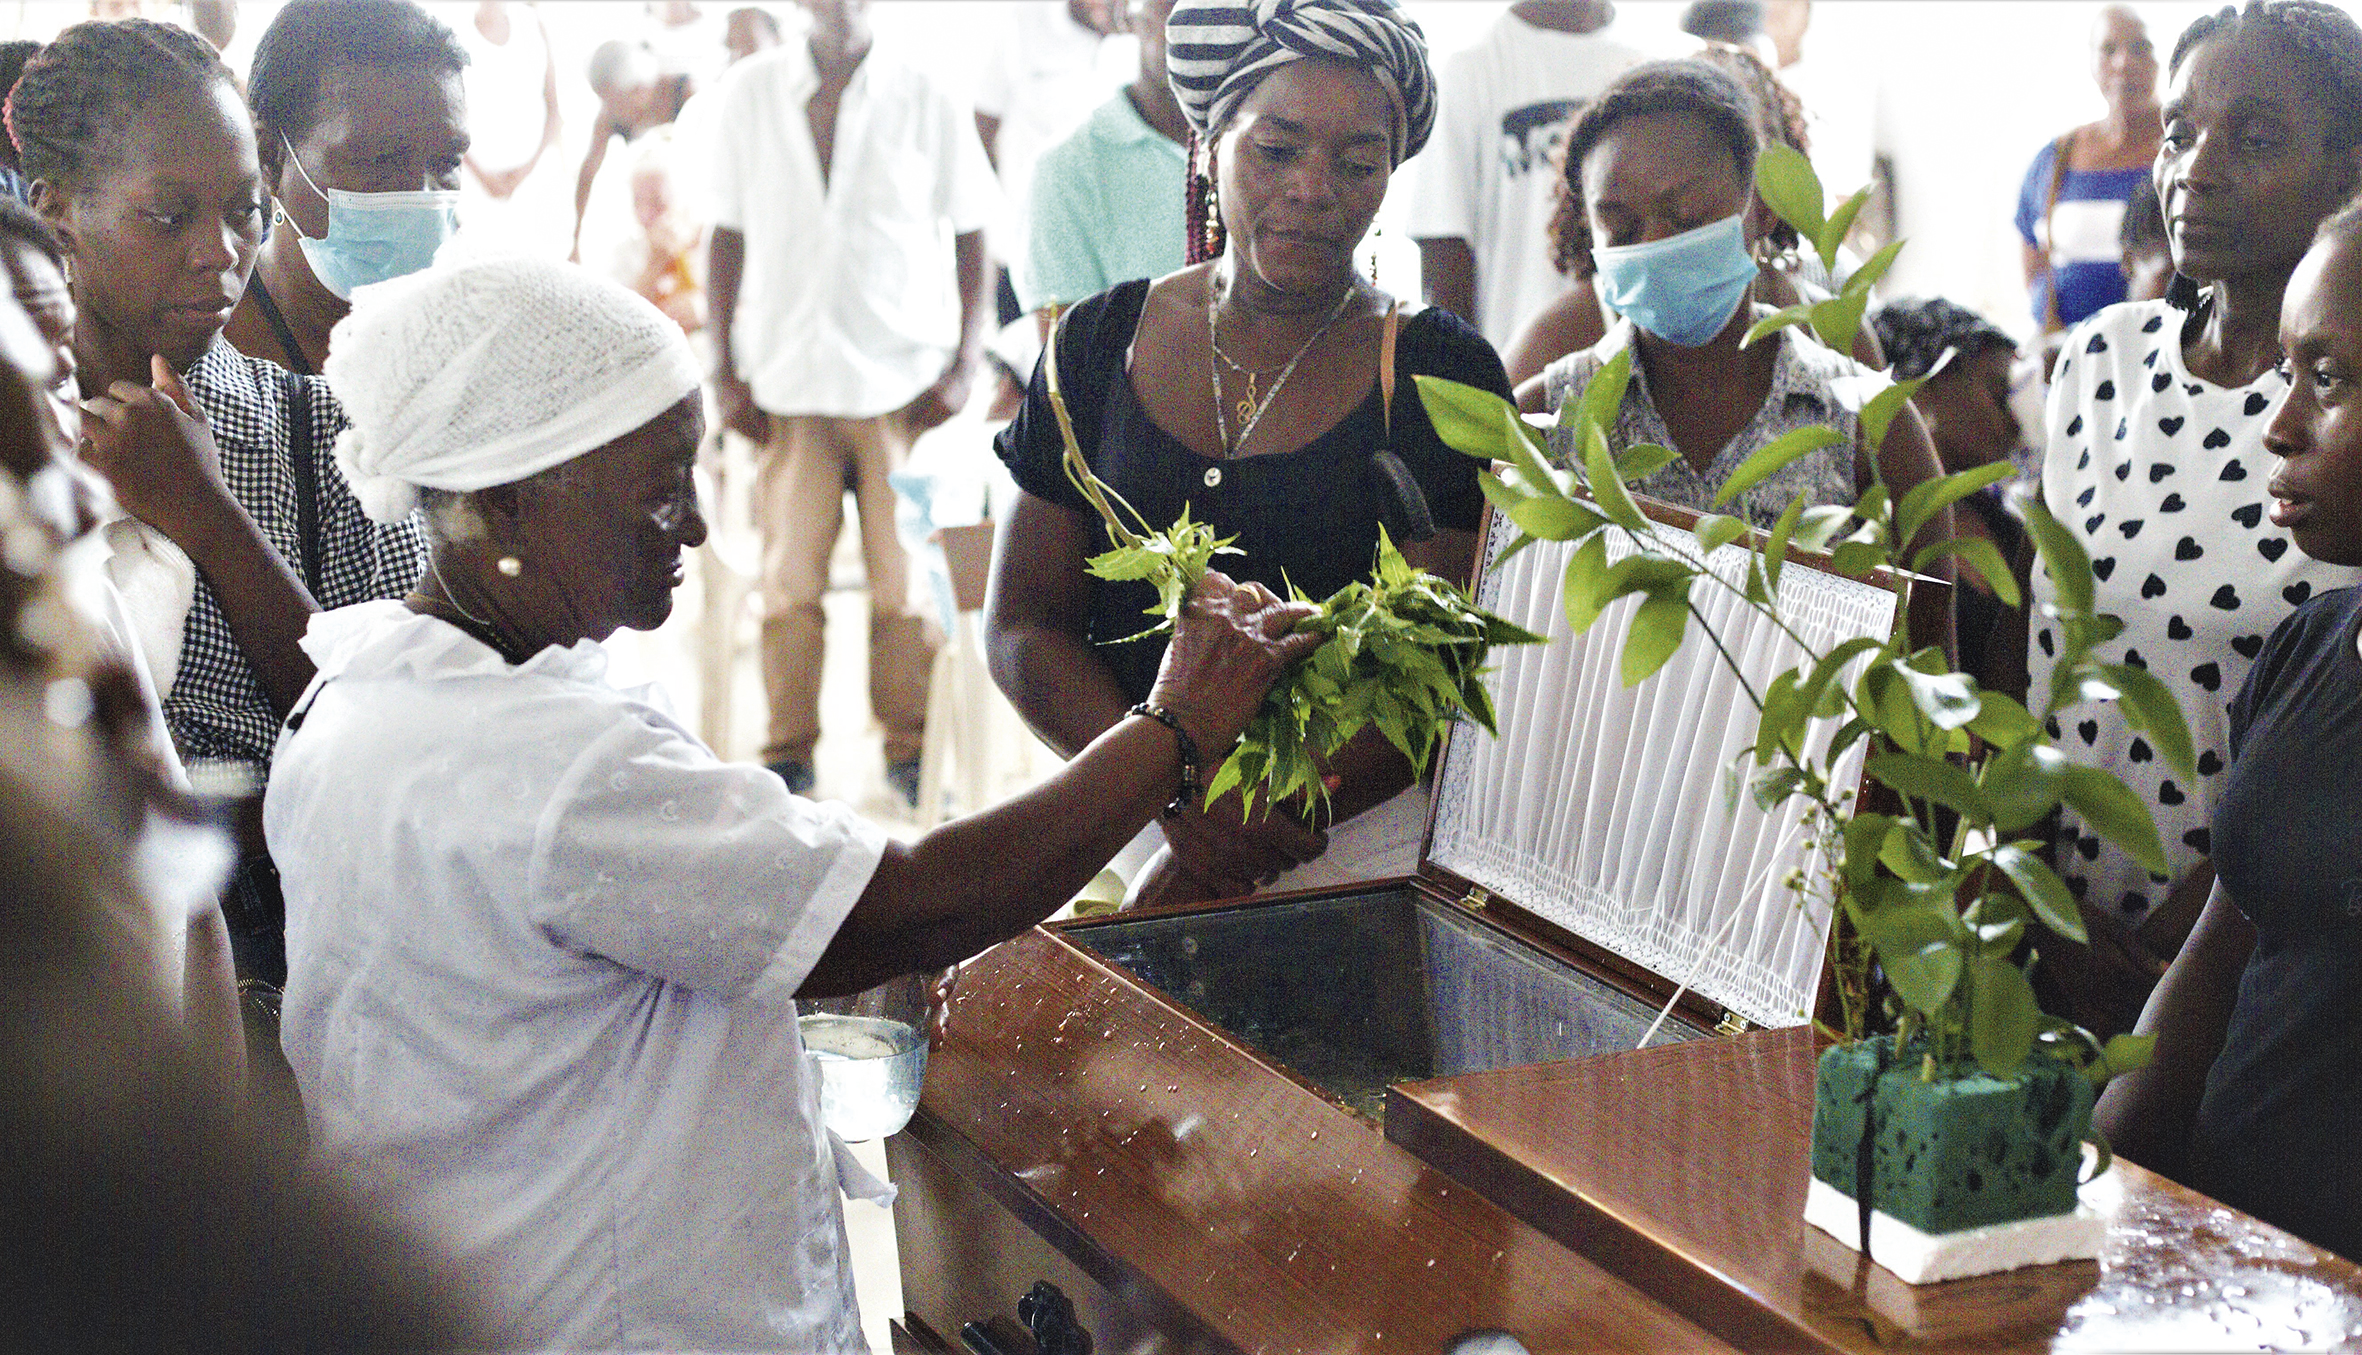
<point>1940,884</point>
<point>1402,652</point>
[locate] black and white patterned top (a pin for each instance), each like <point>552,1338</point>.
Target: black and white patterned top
<point>216,709</point>
<point>2162,477</point>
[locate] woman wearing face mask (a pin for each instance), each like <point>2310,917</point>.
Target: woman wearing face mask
<point>1661,170</point>
<point>361,124</point>
<point>1248,389</point>
<point>143,161</point>
<point>2156,458</point>
<point>1792,272</point>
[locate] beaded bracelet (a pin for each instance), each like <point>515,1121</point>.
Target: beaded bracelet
<point>1189,769</point>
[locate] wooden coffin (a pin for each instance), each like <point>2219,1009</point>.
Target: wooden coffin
<point>1185,1194</point>
<point>1174,1115</point>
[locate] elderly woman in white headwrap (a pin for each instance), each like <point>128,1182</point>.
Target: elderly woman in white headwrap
<point>543,943</point>
<point>1248,388</point>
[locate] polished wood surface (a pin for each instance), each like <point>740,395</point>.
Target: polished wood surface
<point>1683,1169</point>
<point>1176,1168</point>
<point>979,1244</point>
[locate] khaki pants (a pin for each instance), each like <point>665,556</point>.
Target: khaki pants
<point>800,477</point>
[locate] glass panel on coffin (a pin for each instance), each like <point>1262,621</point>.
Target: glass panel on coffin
<point>1358,991</point>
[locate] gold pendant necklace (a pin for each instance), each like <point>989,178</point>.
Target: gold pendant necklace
<point>1256,404</point>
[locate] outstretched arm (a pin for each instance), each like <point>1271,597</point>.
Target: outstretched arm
<point>984,878</point>
<point>1037,641</point>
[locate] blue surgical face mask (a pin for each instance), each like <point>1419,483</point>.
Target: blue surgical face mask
<point>1683,288</point>
<point>374,236</point>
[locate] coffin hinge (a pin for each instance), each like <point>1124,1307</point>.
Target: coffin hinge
<point>1475,899</point>
<point>1731,1024</point>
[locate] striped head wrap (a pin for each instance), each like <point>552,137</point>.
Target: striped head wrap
<point>1217,51</point>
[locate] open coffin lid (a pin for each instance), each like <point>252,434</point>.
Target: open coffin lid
<point>1611,813</point>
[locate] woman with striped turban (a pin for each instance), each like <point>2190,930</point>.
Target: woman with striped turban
<point>1266,389</point>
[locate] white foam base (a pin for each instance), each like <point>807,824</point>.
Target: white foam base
<point>1924,1258</point>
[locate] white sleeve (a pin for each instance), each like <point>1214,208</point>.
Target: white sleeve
<point>968,193</point>
<point>996,82</point>
<point>725,170</point>
<point>688,149</point>
<point>658,856</point>
<point>1442,178</point>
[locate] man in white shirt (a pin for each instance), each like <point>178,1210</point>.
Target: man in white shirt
<point>1486,186</point>
<point>849,311</point>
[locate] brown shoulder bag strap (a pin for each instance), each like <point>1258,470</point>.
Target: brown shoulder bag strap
<point>1418,519</point>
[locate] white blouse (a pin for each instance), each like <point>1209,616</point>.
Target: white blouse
<point>2161,476</point>
<point>542,948</point>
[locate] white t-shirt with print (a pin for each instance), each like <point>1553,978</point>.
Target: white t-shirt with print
<point>2161,476</point>
<point>542,953</point>
<point>1490,173</point>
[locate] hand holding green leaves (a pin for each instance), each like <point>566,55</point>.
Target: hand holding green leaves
<point>1402,653</point>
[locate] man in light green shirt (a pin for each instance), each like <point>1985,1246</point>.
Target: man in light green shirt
<point>1107,201</point>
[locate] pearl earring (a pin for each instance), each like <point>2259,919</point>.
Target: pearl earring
<point>509,565</point>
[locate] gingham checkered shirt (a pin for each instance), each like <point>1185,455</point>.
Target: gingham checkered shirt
<point>216,710</point>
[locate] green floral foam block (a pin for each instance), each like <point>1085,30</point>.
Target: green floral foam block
<point>1956,1153</point>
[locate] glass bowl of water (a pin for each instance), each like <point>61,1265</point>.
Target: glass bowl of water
<point>871,1069</point>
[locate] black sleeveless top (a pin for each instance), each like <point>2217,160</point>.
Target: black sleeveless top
<point>1307,518</point>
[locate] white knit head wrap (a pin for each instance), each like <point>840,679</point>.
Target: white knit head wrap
<point>466,377</point>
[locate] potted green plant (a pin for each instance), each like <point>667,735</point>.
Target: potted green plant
<point>1949,1102</point>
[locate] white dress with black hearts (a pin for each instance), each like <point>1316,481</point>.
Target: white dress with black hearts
<point>2162,477</point>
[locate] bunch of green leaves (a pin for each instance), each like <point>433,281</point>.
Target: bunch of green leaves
<point>1172,561</point>
<point>1403,652</point>
<point>1941,883</point>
